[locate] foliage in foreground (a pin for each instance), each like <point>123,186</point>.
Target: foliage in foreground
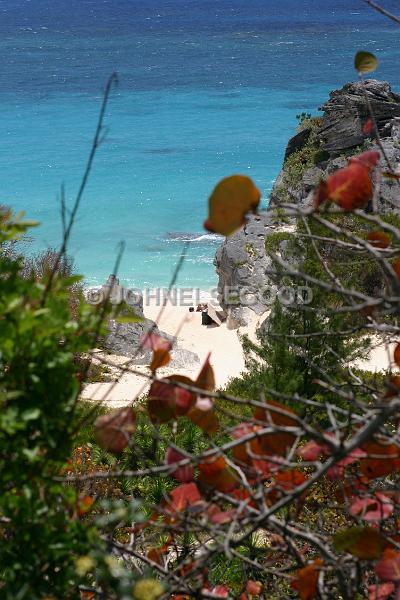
<point>198,493</point>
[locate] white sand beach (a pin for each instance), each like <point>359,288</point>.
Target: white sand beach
<point>223,344</point>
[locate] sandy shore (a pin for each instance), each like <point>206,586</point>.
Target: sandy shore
<point>223,344</point>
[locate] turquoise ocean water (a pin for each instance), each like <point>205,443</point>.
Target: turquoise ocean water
<point>206,89</point>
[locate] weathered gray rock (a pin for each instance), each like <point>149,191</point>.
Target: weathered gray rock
<point>246,273</point>
<point>346,112</point>
<point>125,338</point>
<point>245,270</point>
<point>241,264</point>
<point>297,142</point>
<point>341,130</point>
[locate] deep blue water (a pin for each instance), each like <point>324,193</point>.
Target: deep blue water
<point>207,88</point>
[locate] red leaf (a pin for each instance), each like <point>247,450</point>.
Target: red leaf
<point>114,430</point>
<point>215,473</point>
<point>184,496</point>
<point>204,417</point>
<point>183,474</point>
<point>350,187</point>
<point>85,504</point>
<point>368,127</point>
<point>279,442</point>
<point>206,378</point>
<point>217,516</point>
<point>153,341</point>
<point>388,568</point>
<point>379,239</point>
<point>313,450</point>
<point>212,466</point>
<point>381,591</point>
<point>381,459</point>
<point>285,481</point>
<point>160,348</point>
<point>337,471</point>
<point>307,580</point>
<point>369,159</point>
<point>254,588</point>
<point>374,508</point>
<point>157,554</point>
<point>167,401</point>
<point>396,267</point>
<point>243,452</point>
<point>219,591</point>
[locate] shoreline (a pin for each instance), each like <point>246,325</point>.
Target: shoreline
<point>224,345</point>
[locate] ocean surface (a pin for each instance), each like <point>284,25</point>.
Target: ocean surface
<point>207,88</point>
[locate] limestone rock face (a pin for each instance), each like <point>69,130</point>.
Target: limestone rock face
<point>125,338</point>
<point>246,275</point>
<point>242,263</point>
<point>346,112</point>
<point>341,132</point>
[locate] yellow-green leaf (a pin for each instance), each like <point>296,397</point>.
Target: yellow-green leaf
<point>365,62</point>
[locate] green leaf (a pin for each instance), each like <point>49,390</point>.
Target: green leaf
<point>31,414</point>
<point>364,542</point>
<point>365,62</point>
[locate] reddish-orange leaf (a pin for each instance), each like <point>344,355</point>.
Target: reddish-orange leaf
<point>369,159</point>
<point>388,569</point>
<point>307,580</point>
<point>215,473</point>
<point>275,443</point>
<point>212,466</point>
<point>378,239</point>
<point>114,430</point>
<point>85,504</point>
<point>161,358</point>
<point>374,508</point>
<point>206,378</point>
<point>157,554</point>
<point>363,542</point>
<point>254,588</point>
<point>396,267</point>
<point>167,401</point>
<point>381,591</point>
<point>368,127</point>
<point>160,347</point>
<point>381,461</point>
<point>396,355</point>
<point>204,417</point>
<point>229,203</point>
<point>244,453</point>
<point>351,187</point>
<point>184,496</point>
<point>183,474</point>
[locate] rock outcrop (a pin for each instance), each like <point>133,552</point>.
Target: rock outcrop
<point>322,145</point>
<point>125,338</point>
<point>326,142</point>
<point>346,112</point>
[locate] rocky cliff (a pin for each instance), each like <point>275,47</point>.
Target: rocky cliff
<point>321,145</point>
